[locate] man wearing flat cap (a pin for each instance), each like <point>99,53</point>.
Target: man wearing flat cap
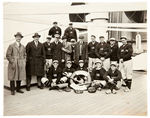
<point>48,52</point>
<point>81,50</point>
<point>103,52</point>
<point>16,55</point>
<point>54,30</point>
<point>113,50</point>
<point>70,33</point>
<point>125,62</point>
<point>57,49</point>
<point>35,61</point>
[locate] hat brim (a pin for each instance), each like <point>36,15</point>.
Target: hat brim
<point>49,38</point>
<point>36,36</point>
<point>123,38</point>
<point>18,35</point>
<point>113,65</point>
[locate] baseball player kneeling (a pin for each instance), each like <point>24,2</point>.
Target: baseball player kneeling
<point>112,76</point>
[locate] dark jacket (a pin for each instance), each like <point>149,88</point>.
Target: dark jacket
<point>91,49</point>
<point>73,53</point>
<point>102,50</point>
<point>116,75</point>
<point>54,30</point>
<point>83,68</point>
<point>48,50</point>
<point>57,51</point>
<point>54,74</point>
<point>98,74</point>
<point>68,70</point>
<point>114,53</point>
<point>70,33</point>
<point>84,55</point>
<point>125,52</point>
<point>35,59</point>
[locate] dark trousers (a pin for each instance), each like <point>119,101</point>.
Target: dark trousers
<point>128,83</point>
<point>12,86</point>
<point>111,86</point>
<point>28,81</point>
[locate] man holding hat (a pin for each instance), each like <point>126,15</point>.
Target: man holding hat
<point>17,61</point>
<point>125,62</point>
<point>55,30</point>
<point>48,52</point>
<point>103,52</point>
<point>113,50</point>
<point>35,61</point>
<point>81,50</point>
<point>70,33</point>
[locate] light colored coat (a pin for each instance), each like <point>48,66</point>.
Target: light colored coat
<point>17,61</point>
<point>66,52</point>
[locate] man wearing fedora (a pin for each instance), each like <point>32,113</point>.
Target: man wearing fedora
<point>35,61</point>
<point>81,51</point>
<point>17,62</point>
<point>54,30</point>
<point>70,33</point>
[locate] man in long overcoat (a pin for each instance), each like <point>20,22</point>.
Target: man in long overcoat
<point>35,61</point>
<point>16,67</point>
<point>81,50</point>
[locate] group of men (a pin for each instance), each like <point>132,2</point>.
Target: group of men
<point>105,62</point>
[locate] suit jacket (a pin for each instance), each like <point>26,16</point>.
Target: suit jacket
<point>84,55</point>
<point>35,59</point>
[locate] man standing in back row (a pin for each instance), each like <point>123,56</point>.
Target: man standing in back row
<point>55,30</point>
<point>103,52</point>
<point>125,62</point>
<point>70,33</point>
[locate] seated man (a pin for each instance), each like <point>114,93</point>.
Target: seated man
<point>67,72</point>
<point>97,76</point>
<point>81,66</point>
<point>80,81</point>
<point>54,75</point>
<point>112,77</point>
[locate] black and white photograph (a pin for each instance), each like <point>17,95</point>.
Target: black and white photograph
<point>75,58</point>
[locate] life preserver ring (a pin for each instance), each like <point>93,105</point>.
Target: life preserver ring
<point>80,80</point>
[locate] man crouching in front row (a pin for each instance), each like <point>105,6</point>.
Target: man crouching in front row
<point>57,82</point>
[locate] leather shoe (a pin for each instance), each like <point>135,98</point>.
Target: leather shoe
<point>19,91</point>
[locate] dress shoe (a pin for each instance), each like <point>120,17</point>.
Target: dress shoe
<point>19,91</point>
